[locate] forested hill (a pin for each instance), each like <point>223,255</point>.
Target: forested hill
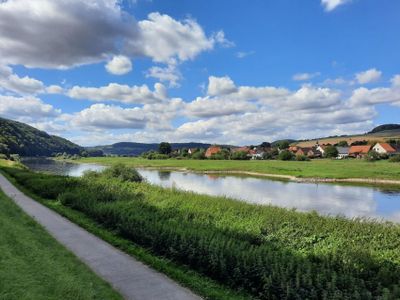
<point>133,149</point>
<point>25,140</point>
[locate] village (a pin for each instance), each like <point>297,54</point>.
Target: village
<point>284,151</point>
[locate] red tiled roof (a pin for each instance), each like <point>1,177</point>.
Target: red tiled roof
<point>359,149</point>
<point>212,150</point>
<point>387,147</point>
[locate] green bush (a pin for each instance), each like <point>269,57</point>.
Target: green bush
<point>240,155</point>
<point>372,156</point>
<point>123,173</point>
<point>286,155</point>
<point>302,158</point>
<point>395,158</point>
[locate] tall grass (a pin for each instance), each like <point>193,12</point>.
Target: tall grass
<point>272,253</point>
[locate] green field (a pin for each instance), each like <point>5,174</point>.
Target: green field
<point>269,252</point>
<point>34,266</point>
<point>322,168</point>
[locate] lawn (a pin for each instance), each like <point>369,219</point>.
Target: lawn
<point>322,168</point>
<point>34,266</point>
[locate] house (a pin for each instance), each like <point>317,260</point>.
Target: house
<point>192,150</point>
<point>359,151</point>
<point>212,150</point>
<point>241,149</point>
<point>343,152</point>
<point>384,148</point>
<point>321,148</point>
<point>294,149</point>
<point>310,152</point>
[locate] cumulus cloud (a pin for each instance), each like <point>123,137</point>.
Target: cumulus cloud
<point>168,74</point>
<point>119,65</point>
<point>63,34</point>
<point>121,93</point>
<point>369,76</point>
<point>220,86</point>
<point>305,76</point>
<point>20,85</point>
<point>29,108</point>
<point>109,117</point>
<point>330,5</point>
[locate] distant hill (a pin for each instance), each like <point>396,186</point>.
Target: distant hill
<point>25,140</point>
<point>134,149</point>
<point>385,127</point>
<point>381,133</point>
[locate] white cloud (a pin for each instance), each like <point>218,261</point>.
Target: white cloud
<point>28,108</point>
<point>369,76</point>
<point>20,85</point>
<point>243,54</point>
<point>122,93</point>
<point>63,34</point>
<point>54,89</point>
<point>166,40</point>
<point>119,65</point>
<point>109,117</point>
<point>220,86</point>
<point>330,5</point>
<point>168,74</point>
<point>305,76</point>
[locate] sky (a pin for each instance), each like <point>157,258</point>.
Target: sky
<point>233,72</point>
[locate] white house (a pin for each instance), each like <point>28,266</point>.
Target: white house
<point>343,152</point>
<point>384,148</point>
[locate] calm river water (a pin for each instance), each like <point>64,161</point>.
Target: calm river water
<point>327,199</point>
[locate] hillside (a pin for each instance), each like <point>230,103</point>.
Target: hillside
<point>134,149</point>
<point>381,133</point>
<point>25,140</point>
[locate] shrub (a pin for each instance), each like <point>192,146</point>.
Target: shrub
<point>122,172</point>
<point>286,155</point>
<point>302,158</point>
<point>240,155</point>
<point>331,152</point>
<point>372,156</point>
<point>395,158</point>
<point>3,156</point>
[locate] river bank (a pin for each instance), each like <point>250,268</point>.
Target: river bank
<point>329,171</point>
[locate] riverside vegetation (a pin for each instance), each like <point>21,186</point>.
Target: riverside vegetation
<point>268,252</point>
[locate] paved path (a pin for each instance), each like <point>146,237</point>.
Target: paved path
<point>131,278</point>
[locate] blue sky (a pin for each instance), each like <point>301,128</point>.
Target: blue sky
<point>103,71</point>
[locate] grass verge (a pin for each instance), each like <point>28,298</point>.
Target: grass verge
<point>33,265</point>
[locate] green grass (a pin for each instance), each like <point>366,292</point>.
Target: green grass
<point>34,266</point>
<point>270,252</point>
<point>322,168</point>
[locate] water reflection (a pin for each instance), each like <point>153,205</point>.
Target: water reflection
<point>60,167</point>
<point>328,199</point>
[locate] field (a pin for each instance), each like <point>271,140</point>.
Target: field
<point>34,266</point>
<point>268,252</point>
<point>323,168</point>
<point>375,137</point>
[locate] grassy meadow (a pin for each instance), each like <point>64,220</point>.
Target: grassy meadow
<point>264,251</point>
<point>319,168</point>
<point>34,266</point>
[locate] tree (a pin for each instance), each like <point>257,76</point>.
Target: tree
<point>286,155</point>
<point>331,152</point>
<point>265,145</point>
<point>283,144</point>
<point>343,144</point>
<point>240,155</point>
<point>164,148</point>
